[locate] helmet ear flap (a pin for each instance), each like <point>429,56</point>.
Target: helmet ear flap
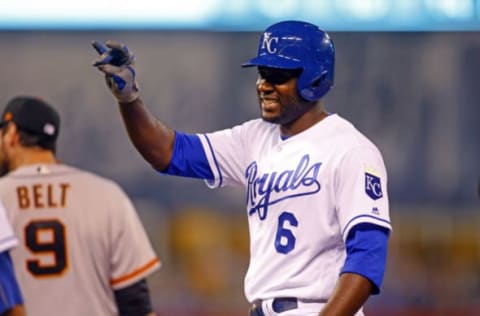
<point>317,81</point>
<point>315,88</point>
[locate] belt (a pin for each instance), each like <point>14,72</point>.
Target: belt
<point>279,305</point>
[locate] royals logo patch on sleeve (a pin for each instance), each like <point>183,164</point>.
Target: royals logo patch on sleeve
<point>373,186</point>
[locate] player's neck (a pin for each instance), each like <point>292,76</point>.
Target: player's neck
<point>31,156</point>
<point>307,120</point>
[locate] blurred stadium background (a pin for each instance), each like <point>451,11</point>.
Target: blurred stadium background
<point>407,74</point>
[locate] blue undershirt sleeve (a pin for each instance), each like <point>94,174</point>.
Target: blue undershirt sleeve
<point>188,158</point>
<point>10,294</point>
<point>367,253</point>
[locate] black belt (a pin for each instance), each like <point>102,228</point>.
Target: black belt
<point>279,305</point>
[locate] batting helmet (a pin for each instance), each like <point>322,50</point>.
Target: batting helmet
<point>299,45</point>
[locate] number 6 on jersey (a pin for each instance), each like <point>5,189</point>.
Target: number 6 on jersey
<point>285,240</point>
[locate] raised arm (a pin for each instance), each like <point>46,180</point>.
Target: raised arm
<point>151,137</point>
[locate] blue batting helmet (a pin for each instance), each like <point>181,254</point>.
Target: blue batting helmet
<point>299,45</point>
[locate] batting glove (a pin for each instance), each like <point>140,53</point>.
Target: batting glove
<point>117,63</point>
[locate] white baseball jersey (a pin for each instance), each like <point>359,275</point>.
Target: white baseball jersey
<point>303,196</point>
<point>7,238</point>
<point>80,239</point>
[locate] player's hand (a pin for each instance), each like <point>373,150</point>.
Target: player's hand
<point>117,63</point>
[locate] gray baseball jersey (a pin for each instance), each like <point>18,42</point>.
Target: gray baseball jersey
<point>80,239</point>
<point>303,196</point>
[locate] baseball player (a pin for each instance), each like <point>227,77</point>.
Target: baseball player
<point>316,188</point>
<point>11,301</point>
<point>83,250</point>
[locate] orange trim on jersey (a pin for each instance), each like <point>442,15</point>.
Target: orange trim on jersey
<point>135,273</point>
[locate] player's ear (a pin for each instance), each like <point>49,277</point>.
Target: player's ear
<point>11,135</point>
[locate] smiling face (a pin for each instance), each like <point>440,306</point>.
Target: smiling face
<point>278,96</point>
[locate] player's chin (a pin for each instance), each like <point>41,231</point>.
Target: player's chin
<point>270,117</point>
<point>270,113</point>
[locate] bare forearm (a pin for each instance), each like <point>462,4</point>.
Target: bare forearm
<point>351,292</point>
<point>152,138</point>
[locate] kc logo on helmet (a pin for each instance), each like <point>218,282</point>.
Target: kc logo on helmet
<point>269,42</point>
<point>373,187</point>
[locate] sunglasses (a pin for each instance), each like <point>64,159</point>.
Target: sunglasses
<point>278,76</point>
